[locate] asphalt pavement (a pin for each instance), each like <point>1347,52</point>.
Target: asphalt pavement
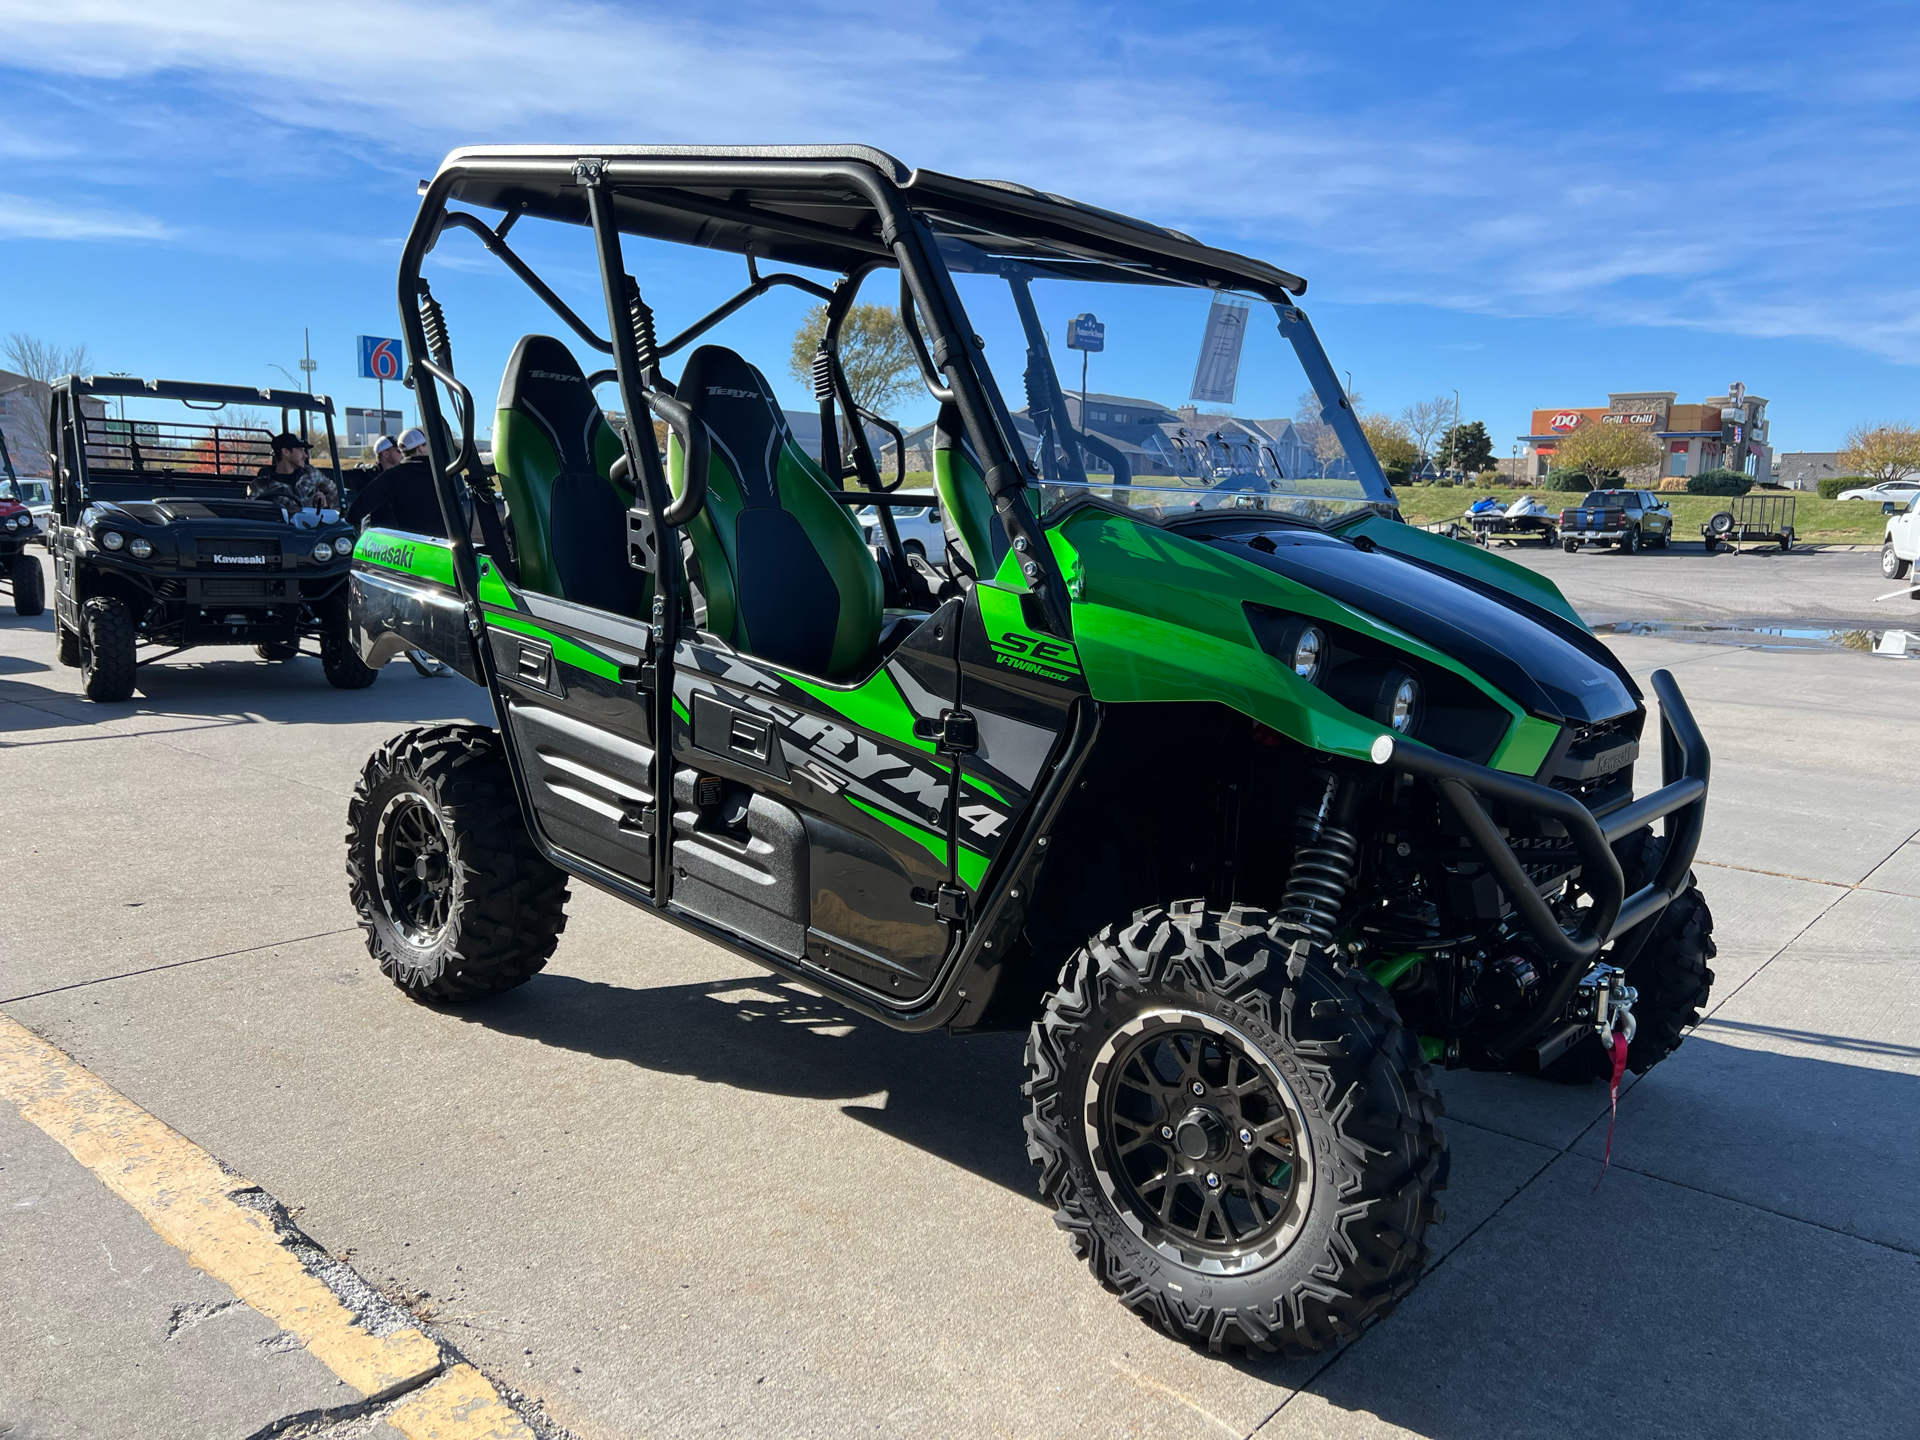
<point>656,1192</point>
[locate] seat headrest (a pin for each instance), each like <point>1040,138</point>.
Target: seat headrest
<point>546,384</point>
<point>747,424</point>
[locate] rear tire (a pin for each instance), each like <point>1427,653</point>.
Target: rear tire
<point>1891,565</point>
<point>344,668</point>
<point>29,586</point>
<point>455,899</point>
<point>1569,546</point>
<point>1630,542</point>
<point>106,649</point>
<point>1334,1092</point>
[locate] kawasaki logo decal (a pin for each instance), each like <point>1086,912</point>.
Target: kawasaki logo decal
<point>239,559</point>
<point>1052,659</point>
<point>395,555</point>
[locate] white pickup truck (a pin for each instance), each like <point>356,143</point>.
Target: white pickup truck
<point>1901,548</point>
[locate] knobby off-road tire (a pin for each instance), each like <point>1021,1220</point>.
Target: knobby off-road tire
<point>107,644</point>
<point>278,650</point>
<point>66,645</point>
<point>455,900</point>
<point>339,658</point>
<point>1323,1057</point>
<point>29,586</point>
<point>1670,972</point>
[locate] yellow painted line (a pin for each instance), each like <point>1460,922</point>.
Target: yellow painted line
<point>460,1405</point>
<point>185,1195</point>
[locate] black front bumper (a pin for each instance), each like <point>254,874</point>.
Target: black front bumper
<point>1614,917</point>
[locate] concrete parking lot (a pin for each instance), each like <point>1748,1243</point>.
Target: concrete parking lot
<point>655,1192</point>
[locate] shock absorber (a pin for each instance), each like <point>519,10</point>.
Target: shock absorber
<point>433,320</point>
<point>646,346</point>
<point>1324,867</point>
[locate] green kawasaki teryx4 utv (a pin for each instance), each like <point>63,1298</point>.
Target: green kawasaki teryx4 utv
<point>1251,804</point>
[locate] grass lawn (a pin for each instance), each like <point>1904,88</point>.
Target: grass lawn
<point>1815,521</point>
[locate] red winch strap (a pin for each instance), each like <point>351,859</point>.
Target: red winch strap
<point>1613,1099</point>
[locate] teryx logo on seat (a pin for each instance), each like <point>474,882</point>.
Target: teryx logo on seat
<point>733,394</point>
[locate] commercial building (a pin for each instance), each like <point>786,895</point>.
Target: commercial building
<point>1721,432</point>
<point>1805,469</point>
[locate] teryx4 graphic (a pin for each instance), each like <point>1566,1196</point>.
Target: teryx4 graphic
<point>1250,803</point>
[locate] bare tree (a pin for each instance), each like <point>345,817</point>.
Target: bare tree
<point>1425,420</point>
<point>43,363</point>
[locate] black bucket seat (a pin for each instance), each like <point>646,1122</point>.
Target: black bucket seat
<point>553,449</point>
<point>783,567</point>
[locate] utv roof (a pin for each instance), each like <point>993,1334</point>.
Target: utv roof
<point>787,203</point>
<point>194,390</point>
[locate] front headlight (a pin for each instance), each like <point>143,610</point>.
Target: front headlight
<point>1309,653</point>
<point>140,547</point>
<point>343,546</point>
<point>323,550</point>
<point>1403,711</point>
<point>112,539</point>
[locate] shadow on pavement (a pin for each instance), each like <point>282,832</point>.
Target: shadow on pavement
<point>954,1097</point>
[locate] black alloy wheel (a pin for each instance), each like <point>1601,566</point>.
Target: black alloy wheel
<point>412,868</point>
<point>1196,1140</point>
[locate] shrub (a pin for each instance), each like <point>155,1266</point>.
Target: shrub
<point>1576,481</point>
<point>1720,482</point>
<point>1491,477</point>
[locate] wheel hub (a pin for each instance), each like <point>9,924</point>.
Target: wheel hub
<point>1202,1135</point>
<point>412,870</point>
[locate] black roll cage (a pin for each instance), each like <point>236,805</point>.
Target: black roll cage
<point>71,477</point>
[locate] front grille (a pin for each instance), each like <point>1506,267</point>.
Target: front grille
<point>238,554</point>
<point>262,589</point>
<point>1596,768</point>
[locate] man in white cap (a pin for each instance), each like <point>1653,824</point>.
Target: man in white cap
<point>414,443</point>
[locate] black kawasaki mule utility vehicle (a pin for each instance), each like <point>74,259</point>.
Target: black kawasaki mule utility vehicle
<point>1250,803</point>
<point>157,543</point>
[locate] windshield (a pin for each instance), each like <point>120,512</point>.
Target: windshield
<point>1164,398</point>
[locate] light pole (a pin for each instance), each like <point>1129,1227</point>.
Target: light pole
<point>1453,450</point>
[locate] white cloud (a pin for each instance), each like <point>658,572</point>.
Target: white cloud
<point>1556,210</point>
<point>25,218</point>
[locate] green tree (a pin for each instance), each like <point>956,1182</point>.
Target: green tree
<point>1882,452</point>
<point>1392,447</point>
<point>1466,448</point>
<point>875,354</point>
<point>1606,450</point>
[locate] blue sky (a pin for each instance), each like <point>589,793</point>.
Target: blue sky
<point>1531,204</point>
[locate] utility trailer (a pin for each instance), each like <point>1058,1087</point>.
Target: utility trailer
<point>1753,520</point>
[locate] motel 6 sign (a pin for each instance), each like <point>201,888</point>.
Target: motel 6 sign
<point>379,358</point>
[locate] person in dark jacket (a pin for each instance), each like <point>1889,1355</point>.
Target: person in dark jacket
<point>399,494</point>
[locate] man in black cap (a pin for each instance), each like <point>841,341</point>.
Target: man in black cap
<point>291,482</point>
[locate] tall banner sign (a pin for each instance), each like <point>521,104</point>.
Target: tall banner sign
<point>1217,375</point>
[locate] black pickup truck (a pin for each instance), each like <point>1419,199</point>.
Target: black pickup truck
<point>1628,519</point>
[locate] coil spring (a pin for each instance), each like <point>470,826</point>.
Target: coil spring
<point>640,316</point>
<point>1323,871</point>
<point>433,320</point>
<point>822,375</point>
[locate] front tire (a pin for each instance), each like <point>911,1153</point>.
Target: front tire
<point>29,586</point>
<point>107,644</point>
<point>278,650</point>
<point>1891,565</point>
<point>1282,1204</point>
<point>339,658</point>
<point>455,900</point>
